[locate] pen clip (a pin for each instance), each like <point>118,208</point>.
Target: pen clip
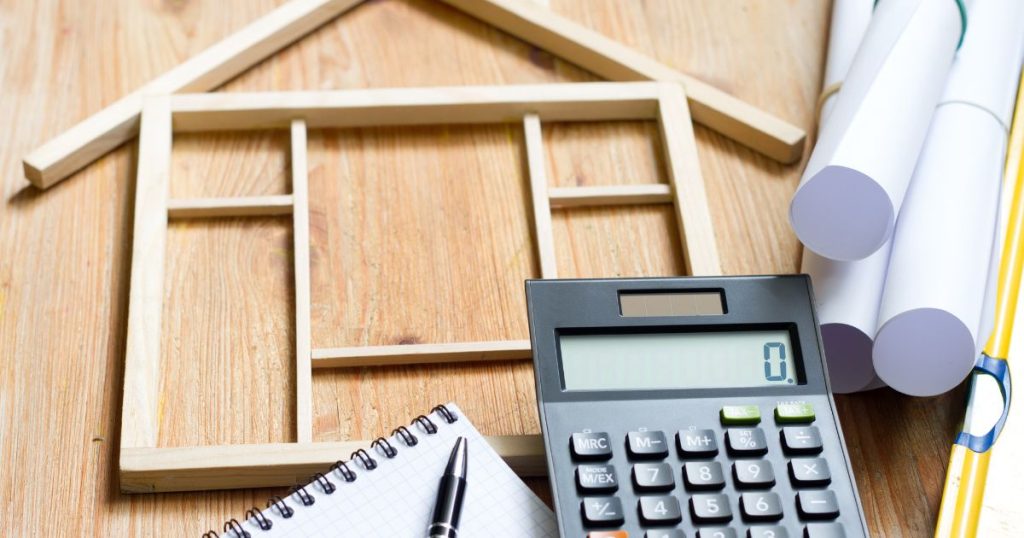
<point>999,370</point>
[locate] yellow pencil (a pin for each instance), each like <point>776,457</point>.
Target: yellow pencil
<point>969,457</point>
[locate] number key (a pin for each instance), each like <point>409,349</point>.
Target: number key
<point>753,474</point>
<point>710,508</point>
<point>746,442</point>
<point>653,477</point>
<point>647,445</point>
<point>601,511</point>
<point>716,532</point>
<point>761,506</point>
<point>590,446</point>
<point>767,532</point>
<point>703,475</point>
<point>802,440</point>
<point>662,510</point>
<point>665,533</point>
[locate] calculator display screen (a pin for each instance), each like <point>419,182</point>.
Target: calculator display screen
<point>677,360</point>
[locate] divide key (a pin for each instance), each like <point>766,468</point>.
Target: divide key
<point>590,446</point>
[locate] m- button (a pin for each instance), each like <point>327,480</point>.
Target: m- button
<point>590,446</point>
<point>647,445</point>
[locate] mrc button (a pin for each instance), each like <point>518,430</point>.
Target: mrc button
<point>590,446</point>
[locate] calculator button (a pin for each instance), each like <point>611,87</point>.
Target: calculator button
<point>591,446</point>
<point>661,510</point>
<point>746,442</point>
<point>647,445</point>
<point>697,443</point>
<point>710,508</point>
<point>703,475</point>
<point>809,472</point>
<point>767,532</point>
<point>824,530</point>
<point>596,478</point>
<point>665,533</point>
<point>601,511</point>
<point>653,477</point>
<point>608,534</point>
<point>803,440</point>
<point>716,532</point>
<point>740,415</point>
<point>817,504</point>
<point>761,506</point>
<point>794,413</point>
<point>753,474</point>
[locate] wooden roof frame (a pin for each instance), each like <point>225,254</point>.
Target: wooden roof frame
<point>87,141</point>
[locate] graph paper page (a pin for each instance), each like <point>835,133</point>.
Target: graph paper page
<point>397,498</point>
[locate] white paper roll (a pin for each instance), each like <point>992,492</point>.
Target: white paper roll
<point>934,314</point>
<point>857,176</point>
<point>847,293</point>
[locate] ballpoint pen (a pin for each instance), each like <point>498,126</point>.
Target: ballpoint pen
<point>450,495</point>
<point>969,457</point>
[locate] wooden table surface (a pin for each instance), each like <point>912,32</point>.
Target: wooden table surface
<point>418,235</point>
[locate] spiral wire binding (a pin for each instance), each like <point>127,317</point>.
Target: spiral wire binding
<point>277,506</point>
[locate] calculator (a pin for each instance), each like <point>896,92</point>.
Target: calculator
<point>689,407</point>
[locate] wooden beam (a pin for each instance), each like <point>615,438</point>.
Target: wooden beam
<point>605,195</point>
<point>140,403</point>
<point>244,206</point>
<point>303,332</point>
<point>693,214</point>
<point>612,60</point>
<point>348,357</point>
<point>536,170</point>
<point>593,101</point>
<point>89,140</point>
<point>148,470</point>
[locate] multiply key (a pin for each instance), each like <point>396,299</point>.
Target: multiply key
<point>809,472</point>
<point>590,446</point>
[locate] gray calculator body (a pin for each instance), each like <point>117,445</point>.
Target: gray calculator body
<point>639,415</point>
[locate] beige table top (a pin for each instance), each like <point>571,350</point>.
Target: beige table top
<point>418,235</point>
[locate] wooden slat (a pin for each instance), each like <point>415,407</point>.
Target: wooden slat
<point>303,337</point>
<point>606,195</point>
<point>610,59</point>
<point>691,202</point>
<point>139,410</point>
<point>345,357</point>
<point>594,101</point>
<point>147,470</point>
<point>247,206</point>
<point>105,130</point>
<point>536,160</point>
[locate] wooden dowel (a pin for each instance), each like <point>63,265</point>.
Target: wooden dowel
<point>347,357</point>
<point>148,470</point>
<point>89,140</point>
<point>140,402</point>
<point>693,216</point>
<point>538,177</point>
<point>606,195</point>
<point>612,60</point>
<point>246,206</point>
<point>303,334</point>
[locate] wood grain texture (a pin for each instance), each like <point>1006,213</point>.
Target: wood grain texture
<point>64,253</point>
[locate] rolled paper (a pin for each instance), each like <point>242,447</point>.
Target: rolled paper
<point>846,205</point>
<point>847,293</point>
<point>933,316</point>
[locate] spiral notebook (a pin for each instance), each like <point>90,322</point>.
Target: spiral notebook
<point>389,490</point>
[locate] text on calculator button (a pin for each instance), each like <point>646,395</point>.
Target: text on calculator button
<point>652,444</point>
<point>596,478</point>
<point>590,446</point>
<point>604,511</point>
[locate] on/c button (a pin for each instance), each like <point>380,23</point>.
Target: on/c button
<point>608,534</point>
